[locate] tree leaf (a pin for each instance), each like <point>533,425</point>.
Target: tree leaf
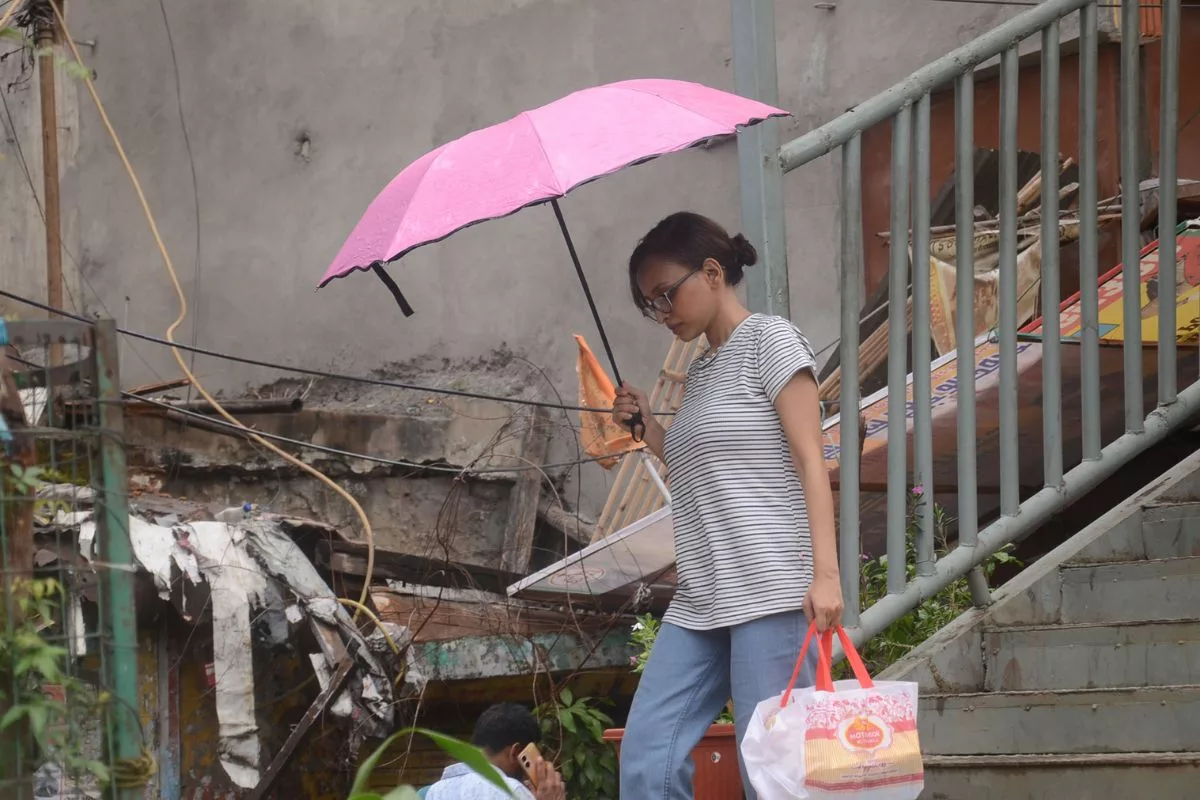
<point>13,716</point>
<point>567,697</point>
<point>402,793</point>
<point>470,755</point>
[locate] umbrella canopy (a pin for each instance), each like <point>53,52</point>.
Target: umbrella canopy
<point>535,157</point>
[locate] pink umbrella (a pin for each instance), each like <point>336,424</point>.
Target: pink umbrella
<point>537,157</point>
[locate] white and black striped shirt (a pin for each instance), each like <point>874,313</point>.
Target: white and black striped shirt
<point>742,543</point>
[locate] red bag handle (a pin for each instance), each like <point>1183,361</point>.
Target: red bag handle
<point>825,662</point>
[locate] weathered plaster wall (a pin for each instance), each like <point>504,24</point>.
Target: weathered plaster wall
<point>373,85</point>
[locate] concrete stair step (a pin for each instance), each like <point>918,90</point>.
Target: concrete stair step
<point>1164,776</point>
<point>1142,719</point>
<point>1129,591</point>
<point>1157,531</point>
<point>1171,530</point>
<point>1090,656</point>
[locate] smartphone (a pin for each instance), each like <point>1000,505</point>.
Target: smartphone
<point>529,757</point>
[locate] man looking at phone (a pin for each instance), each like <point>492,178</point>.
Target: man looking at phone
<point>503,731</point>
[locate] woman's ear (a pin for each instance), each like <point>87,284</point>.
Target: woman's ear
<point>714,273</point>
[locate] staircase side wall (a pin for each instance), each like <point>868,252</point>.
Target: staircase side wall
<point>953,659</point>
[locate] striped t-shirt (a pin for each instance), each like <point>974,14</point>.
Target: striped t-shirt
<point>742,544</point>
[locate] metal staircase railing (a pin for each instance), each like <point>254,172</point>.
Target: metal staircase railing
<point>906,107</point>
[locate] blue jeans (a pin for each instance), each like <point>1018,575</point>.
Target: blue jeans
<point>688,679</point>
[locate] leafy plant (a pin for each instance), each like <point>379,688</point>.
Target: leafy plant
<point>931,615</point>
<point>573,730</point>
<point>472,756</point>
<point>34,668</point>
<point>42,703</point>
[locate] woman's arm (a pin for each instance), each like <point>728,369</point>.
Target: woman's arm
<point>799,411</point>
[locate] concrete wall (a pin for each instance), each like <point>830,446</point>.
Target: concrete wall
<point>373,85</point>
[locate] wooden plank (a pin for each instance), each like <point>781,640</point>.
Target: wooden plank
<point>351,558</point>
<point>568,522</point>
<point>431,617</point>
<point>523,500</point>
<point>301,730</point>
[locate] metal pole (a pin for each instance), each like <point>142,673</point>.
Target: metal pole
<point>871,112</point>
<point>760,173</point>
<point>1089,291</point>
<point>921,357</point>
<point>51,205</point>
<point>1010,489</point>
<point>1167,174</point>
<point>964,335</point>
<point>897,472</point>
<point>655,478</point>
<point>118,617</point>
<point>1131,216</point>
<point>848,459</point>
<point>1052,454</point>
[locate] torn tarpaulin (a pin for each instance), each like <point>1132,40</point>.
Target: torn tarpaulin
<point>250,570</point>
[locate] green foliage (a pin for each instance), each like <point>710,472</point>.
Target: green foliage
<point>31,665</point>
<point>472,756</point>
<point>573,732</point>
<point>39,696</point>
<point>935,612</point>
<point>645,631</point>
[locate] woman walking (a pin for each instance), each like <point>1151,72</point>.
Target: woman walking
<point>751,502</point>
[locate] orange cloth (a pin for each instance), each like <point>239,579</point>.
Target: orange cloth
<point>601,438</point>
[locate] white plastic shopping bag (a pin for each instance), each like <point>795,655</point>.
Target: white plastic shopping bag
<point>849,739</point>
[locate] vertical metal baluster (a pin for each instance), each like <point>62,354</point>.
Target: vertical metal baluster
<point>1131,216</point>
<point>964,267</point>
<point>1089,292</point>
<point>1010,490</point>
<point>1052,454</point>
<point>922,388</point>
<point>848,467</point>
<point>1168,167</point>
<point>897,475</point>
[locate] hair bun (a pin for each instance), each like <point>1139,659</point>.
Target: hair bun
<point>744,252</point>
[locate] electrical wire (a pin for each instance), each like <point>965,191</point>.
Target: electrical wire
<point>318,373</point>
<point>315,373</point>
<point>368,532</point>
<point>320,448</point>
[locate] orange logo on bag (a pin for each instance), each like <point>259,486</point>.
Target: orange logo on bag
<point>864,733</point>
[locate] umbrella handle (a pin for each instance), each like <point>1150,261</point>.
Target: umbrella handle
<point>637,426</point>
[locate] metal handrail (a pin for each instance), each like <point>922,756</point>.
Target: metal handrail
<point>907,104</point>
<point>837,132</point>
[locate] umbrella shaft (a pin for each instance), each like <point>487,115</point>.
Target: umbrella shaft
<point>587,291</point>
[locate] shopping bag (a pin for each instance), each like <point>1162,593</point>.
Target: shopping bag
<point>849,739</point>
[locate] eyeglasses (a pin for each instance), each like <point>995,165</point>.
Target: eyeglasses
<point>658,308</point>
